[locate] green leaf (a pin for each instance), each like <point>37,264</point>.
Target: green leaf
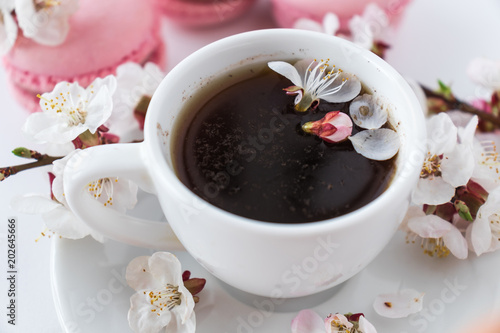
<point>444,89</point>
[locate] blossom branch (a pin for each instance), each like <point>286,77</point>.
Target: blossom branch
<point>41,160</point>
<point>449,102</point>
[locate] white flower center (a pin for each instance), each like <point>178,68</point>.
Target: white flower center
<point>105,185</point>
<point>319,78</point>
<point>164,299</point>
<point>72,115</point>
<point>433,247</point>
<point>431,167</point>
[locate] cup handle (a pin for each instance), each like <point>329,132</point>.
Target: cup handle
<point>125,160</point>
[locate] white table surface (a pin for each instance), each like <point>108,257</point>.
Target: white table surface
<point>436,39</point>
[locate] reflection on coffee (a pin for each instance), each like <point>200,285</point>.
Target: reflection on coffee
<point>244,151</point>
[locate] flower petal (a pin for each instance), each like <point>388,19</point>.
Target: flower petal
<point>307,24</point>
<point>8,31</point>
<point>457,166</point>
<point>432,191</point>
<point>366,112</point>
<point>142,319</point>
<point>441,134</point>
<point>376,144</point>
<point>33,204</point>
<point>308,321</point>
<point>63,222</point>
<point>365,326</point>
<point>350,89</point>
<point>482,236</point>
<point>138,275</point>
<point>456,243</point>
<point>430,226</point>
<point>176,325</point>
<point>287,70</point>
<point>399,305</point>
<point>485,72</point>
<point>331,23</point>
<point>166,268</point>
<point>186,309</point>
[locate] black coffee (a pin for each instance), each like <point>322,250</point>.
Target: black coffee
<point>244,151</point>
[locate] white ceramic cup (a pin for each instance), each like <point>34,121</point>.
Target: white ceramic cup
<point>268,259</point>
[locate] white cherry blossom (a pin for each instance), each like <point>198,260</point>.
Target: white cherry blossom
<point>316,80</point>
<point>449,161</point>
<point>8,26</point>
<point>485,72</point>
<point>45,21</point>
<point>369,27</point>
<point>70,110</point>
<point>135,87</point>
<point>161,301</point>
<point>436,236</point>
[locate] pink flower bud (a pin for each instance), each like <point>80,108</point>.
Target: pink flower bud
<point>334,127</point>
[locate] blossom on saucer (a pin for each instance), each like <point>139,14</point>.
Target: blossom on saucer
<point>374,143</point>
<point>162,300</point>
<point>485,231</point>
<point>449,162</point>
<point>315,80</point>
<point>399,305</point>
<point>438,237</point>
<point>45,21</point>
<point>308,321</point>
<point>135,86</point>
<point>334,127</point>
<point>8,26</point>
<point>369,27</point>
<point>70,110</point>
<point>330,24</point>
<point>485,72</point>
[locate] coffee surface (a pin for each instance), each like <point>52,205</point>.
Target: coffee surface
<point>244,151</point>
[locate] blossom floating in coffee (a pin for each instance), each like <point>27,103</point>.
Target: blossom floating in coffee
<point>308,321</point>
<point>334,127</point>
<point>164,297</point>
<point>317,80</point>
<point>368,113</point>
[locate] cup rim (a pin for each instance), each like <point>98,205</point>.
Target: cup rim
<point>397,184</point>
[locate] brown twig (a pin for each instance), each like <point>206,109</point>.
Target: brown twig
<point>456,104</point>
<point>42,160</point>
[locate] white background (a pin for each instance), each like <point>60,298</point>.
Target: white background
<point>436,39</point>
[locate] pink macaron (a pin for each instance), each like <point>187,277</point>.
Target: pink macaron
<point>102,36</point>
<point>287,12</point>
<point>200,13</point>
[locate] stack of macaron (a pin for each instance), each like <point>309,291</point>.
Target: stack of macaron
<point>102,35</point>
<point>287,12</point>
<point>201,13</point>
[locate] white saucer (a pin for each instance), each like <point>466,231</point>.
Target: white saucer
<point>91,294</point>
